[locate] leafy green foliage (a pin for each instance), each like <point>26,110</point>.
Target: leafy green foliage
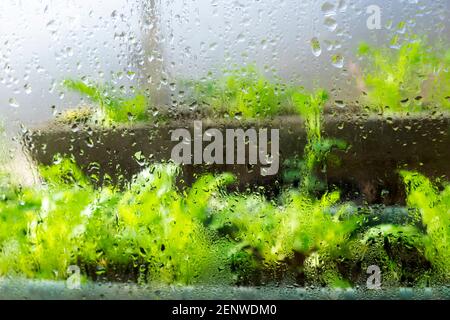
<point>300,225</point>
<point>416,253</point>
<point>112,107</point>
<point>243,92</point>
<point>317,149</point>
<point>65,172</point>
<point>150,227</point>
<point>151,231</point>
<point>413,77</point>
<point>41,230</point>
<point>163,229</point>
<point>396,249</point>
<point>434,210</point>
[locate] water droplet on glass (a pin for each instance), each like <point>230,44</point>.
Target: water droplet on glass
<point>13,103</point>
<point>315,47</point>
<point>328,9</point>
<point>27,88</point>
<point>337,61</point>
<point>330,23</point>
<point>131,75</point>
<point>89,142</point>
<point>401,27</point>
<point>75,128</point>
<point>339,103</point>
<point>69,51</point>
<point>213,46</point>
<point>51,25</point>
<point>342,5</point>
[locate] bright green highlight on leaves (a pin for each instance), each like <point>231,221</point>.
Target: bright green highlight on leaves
<point>243,92</point>
<point>152,232</point>
<point>317,150</point>
<point>150,228</point>
<point>434,213</point>
<point>112,107</point>
<point>411,76</point>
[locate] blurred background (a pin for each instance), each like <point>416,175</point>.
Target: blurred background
<point>153,44</point>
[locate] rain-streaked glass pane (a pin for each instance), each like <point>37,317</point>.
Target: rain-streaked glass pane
<point>272,149</point>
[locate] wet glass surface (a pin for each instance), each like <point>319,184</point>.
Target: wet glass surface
<point>297,147</point>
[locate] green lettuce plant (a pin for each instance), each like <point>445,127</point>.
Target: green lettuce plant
<point>151,229</point>
<point>318,148</point>
<point>414,253</point>
<point>243,92</point>
<point>433,207</point>
<point>112,107</point>
<point>300,226</point>
<point>411,76</point>
<point>163,230</point>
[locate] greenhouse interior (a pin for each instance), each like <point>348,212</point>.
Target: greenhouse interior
<point>217,149</point>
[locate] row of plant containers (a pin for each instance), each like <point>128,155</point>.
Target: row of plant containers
<point>376,147</point>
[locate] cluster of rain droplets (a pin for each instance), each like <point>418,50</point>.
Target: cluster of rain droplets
<point>329,12</point>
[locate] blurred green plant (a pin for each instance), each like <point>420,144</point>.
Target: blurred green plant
<point>407,77</point>
<point>152,232</point>
<point>434,213</point>
<point>301,226</point>
<point>112,107</point>
<point>150,229</point>
<point>243,92</point>
<point>318,148</point>
<point>417,252</point>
